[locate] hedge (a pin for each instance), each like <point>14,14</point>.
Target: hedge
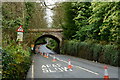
<point>16,62</point>
<point>108,54</point>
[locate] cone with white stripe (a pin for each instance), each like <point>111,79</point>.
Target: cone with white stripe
<point>41,53</point>
<point>46,55</point>
<point>106,76</point>
<point>54,58</point>
<point>69,64</point>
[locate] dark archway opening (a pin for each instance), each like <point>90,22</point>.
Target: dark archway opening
<point>57,50</point>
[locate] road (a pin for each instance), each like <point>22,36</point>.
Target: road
<point>45,68</point>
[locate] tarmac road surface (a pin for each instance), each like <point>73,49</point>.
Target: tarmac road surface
<point>45,68</point>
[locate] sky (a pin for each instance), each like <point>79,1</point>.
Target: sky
<point>49,12</point>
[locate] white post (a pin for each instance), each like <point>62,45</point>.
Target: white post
<point>20,36</point>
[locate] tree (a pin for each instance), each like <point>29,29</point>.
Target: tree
<point>69,24</point>
<point>28,14</point>
<point>105,17</point>
<point>12,17</point>
<point>58,17</point>
<point>97,21</point>
<point>83,12</point>
<point>37,20</point>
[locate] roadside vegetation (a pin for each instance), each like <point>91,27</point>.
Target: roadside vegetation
<point>108,54</point>
<point>16,61</point>
<point>96,32</point>
<point>16,58</point>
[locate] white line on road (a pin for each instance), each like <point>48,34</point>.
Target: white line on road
<point>80,67</point>
<point>87,70</point>
<point>33,70</point>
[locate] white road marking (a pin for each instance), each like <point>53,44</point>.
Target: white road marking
<point>43,66</point>
<point>50,70</point>
<point>45,70</point>
<point>60,69</point>
<point>57,58</point>
<point>48,65</point>
<point>79,67</point>
<point>59,65</point>
<point>65,68</point>
<point>87,70</point>
<point>53,68</point>
<point>65,62</point>
<point>33,70</point>
<point>53,65</point>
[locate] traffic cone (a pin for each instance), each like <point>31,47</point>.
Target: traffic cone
<point>69,64</point>
<point>106,76</point>
<point>46,55</point>
<point>32,46</point>
<point>41,53</point>
<point>54,59</point>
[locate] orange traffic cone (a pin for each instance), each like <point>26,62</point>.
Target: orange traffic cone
<point>69,64</point>
<point>106,76</point>
<point>32,46</point>
<point>41,53</point>
<point>46,55</point>
<point>54,59</point>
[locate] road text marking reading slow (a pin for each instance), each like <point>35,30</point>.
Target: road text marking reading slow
<point>50,68</point>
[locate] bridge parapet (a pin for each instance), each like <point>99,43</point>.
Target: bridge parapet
<point>45,30</point>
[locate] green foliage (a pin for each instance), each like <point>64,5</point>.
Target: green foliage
<point>96,21</point>
<point>69,24</point>
<point>103,16</point>
<point>102,53</point>
<point>111,54</point>
<point>97,50</point>
<point>35,15</point>
<point>12,23</point>
<point>52,44</point>
<point>83,12</point>
<point>41,41</point>
<point>16,62</point>
<point>29,9</point>
<point>10,18</point>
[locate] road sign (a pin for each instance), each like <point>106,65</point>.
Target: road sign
<point>20,29</point>
<point>20,33</point>
<point>20,36</point>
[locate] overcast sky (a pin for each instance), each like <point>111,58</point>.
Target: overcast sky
<point>49,12</point>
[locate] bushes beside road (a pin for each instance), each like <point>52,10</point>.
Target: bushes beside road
<point>16,62</point>
<point>108,54</point>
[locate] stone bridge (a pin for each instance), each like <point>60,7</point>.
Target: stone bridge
<point>55,34</point>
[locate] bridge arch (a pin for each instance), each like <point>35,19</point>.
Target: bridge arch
<point>56,38</point>
<point>55,34</point>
